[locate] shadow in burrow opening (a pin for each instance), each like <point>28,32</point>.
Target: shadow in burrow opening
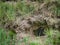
<point>39,32</point>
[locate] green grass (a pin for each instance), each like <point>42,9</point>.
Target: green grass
<point>24,8</point>
<point>53,37</point>
<point>8,11</point>
<point>5,38</point>
<point>11,11</point>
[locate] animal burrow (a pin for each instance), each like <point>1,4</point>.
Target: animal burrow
<point>39,32</point>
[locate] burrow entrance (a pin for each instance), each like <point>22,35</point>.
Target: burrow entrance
<point>39,32</point>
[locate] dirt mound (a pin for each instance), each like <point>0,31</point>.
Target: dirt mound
<point>41,17</point>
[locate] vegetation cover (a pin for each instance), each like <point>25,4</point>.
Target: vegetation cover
<point>29,22</point>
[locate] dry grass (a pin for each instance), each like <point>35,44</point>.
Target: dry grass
<point>20,12</point>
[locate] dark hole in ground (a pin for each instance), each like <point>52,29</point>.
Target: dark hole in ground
<point>58,17</point>
<point>39,32</point>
